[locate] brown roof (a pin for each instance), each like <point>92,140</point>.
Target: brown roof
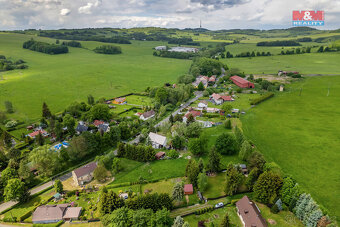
<point>160,154</point>
<point>72,212</point>
<point>86,169</point>
<point>194,113</point>
<point>250,214</point>
<point>123,99</point>
<point>47,213</point>
<point>149,114</point>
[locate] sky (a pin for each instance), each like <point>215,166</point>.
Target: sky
<point>214,14</point>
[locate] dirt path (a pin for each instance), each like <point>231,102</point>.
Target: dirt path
<point>187,210</point>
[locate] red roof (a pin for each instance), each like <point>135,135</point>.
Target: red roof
<point>250,214</point>
<point>34,134</point>
<point>188,188</point>
<point>160,154</point>
<point>239,81</point>
<point>98,122</point>
<point>194,113</point>
<point>227,98</point>
<point>120,99</point>
<point>212,79</point>
<point>216,96</point>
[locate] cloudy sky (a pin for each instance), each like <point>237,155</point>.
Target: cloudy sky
<point>215,14</point>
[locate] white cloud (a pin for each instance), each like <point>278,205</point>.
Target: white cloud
<point>86,9</point>
<point>65,12</point>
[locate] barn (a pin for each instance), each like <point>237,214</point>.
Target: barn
<point>242,83</point>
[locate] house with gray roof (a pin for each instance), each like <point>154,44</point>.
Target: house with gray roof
<point>55,213</point>
<point>84,174</point>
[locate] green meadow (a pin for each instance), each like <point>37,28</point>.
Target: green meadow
<point>301,134</point>
<point>62,79</point>
<point>313,63</point>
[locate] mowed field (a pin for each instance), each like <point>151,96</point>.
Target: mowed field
<point>313,63</point>
<point>61,79</point>
<point>302,134</point>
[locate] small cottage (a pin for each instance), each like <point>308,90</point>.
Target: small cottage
<point>157,141</point>
<point>84,174</point>
<point>188,189</point>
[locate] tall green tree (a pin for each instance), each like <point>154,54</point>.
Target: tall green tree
<point>256,159</point>
<point>109,201</point>
<point>70,123</point>
<point>200,86</point>
<point>233,180</point>
<point>46,113</point>
<point>214,161</point>
<point>202,182</point>
<point>58,186</point>
<point>78,148</point>
<point>239,137</point>
<point>267,187</point>
<point>178,191</point>
<point>15,190</point>
<point>192,173</point>
<point>245,150</point>
<point>226,144</point>
<point>100,173</point>
<point>45,160</point>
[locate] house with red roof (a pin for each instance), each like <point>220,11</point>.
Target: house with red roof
<point>194,113</point>
<point>242,83</point>
<point>35,133</point>
<point>249,213</point>
<point>98,122</point>
<point>219,99</point>
<point>119,100</point>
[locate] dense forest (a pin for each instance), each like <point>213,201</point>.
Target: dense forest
<point>84,36</point>
<point>108,49</point>
<point>7,64</point>
<point>45,47</point>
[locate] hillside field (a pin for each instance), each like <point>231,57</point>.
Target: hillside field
<point>301,134</point>
<point>62,79</point>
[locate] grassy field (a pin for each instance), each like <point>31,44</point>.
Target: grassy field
<point>61,79</point>
<point>300,133</point>
<point>313,63</point>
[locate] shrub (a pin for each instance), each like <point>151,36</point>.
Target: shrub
<point>173,154</point>
<point>274,209</point>
<point>108,49</point>
<point>262,98</point>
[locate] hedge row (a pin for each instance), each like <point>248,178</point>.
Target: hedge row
<point>204,210</point>
<point>59,223</point>
<point>262,98</point>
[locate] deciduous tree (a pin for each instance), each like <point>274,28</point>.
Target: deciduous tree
<point>58,186</point>
<point>267,187</point>
<point>226,144</point>
<point>15,190</point>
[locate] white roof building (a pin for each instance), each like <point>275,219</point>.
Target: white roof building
<point>160,48</point>
<point>157,141</point>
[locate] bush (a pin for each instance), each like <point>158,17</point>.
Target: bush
<point>262,98</point>
<point>26,215</point>
<point>173,154</point>
<point>45,47</point>
<point>274,209</point>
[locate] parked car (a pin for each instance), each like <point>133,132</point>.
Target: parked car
<point>218,205</point>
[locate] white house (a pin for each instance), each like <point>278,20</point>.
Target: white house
<point>157,141</point>
<point>206,124</point>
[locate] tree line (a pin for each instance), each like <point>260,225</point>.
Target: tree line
<point>45,47</point>
<point>279,43</point>
<point>173,54</point>
<point>108,49</point>
<point>71,43</point>
<point>139,153</point>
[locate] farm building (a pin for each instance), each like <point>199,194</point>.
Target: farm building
<point>147,115</point>
<point>55,213</point>
<point>119,100</point>
<point>249,213</point>
<point>157,141</point>
<point>188,189</point>
<point>183,49</point>
<point>84,174</point>
<point>242,83</point>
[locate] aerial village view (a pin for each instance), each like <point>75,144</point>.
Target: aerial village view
<point>169,113</point>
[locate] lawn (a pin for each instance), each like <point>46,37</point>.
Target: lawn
<point>62,79</point>
<point>301,134</point>
<point>163,169</point>
<point>215,216</point>
<point>314,63</point>
<point>215,186</point>
<point>282,219</point>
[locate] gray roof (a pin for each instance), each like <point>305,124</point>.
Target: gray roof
<point>47,213</point>
<point>72,212</point>
<point>81,127</point>
<point>103,127</point>
<point>149,114</point>
<point>158,139</point>
<point>86,169</point>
